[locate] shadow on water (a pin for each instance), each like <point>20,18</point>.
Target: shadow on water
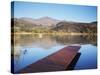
<point>74,62</point>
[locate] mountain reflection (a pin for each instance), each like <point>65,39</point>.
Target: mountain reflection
<point>47,41</point>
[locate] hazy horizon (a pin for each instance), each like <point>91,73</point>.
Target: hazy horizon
<point>54,19</point>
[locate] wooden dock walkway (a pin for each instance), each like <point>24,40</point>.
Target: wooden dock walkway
<point>58,61</point>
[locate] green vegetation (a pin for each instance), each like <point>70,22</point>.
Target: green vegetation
<point>19,26</point>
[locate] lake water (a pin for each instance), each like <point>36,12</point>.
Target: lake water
<point>31,48</point>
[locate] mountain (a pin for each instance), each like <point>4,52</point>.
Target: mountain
<point>47,24</point>
<point>76,27</point>
<point>44,21</point>
<point>22,23</point>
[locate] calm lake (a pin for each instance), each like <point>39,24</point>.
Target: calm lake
<point>30,48</point>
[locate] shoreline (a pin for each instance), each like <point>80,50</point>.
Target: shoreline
<point>26,33</point>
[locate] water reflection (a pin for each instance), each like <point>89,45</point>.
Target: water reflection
<point>30,48</point>
<point>47,41</point>
<point>88,59</point>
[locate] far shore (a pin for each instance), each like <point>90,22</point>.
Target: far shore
<point>57,33</point>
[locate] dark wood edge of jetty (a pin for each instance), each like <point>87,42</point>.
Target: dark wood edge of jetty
<point>57,61</point>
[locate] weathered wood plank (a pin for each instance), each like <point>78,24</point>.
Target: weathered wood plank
<point>56,62</point>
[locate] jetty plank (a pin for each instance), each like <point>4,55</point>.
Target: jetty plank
<point>55,62</point>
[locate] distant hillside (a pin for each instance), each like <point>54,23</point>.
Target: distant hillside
<point>76,27</point>
<point>47,24</point>
<point>45,21</point>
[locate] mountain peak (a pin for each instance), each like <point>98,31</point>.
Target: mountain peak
<point>46,21</point>
<point>46,18</point>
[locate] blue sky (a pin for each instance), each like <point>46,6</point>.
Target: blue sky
<point>66,12</point>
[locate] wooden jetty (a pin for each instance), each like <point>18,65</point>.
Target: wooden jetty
<point>58,61</point>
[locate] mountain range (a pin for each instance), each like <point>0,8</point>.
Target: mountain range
<point>45,21</point>
<point>54,24</point>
